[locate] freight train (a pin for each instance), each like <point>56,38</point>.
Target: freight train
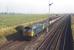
<point>31,31</point>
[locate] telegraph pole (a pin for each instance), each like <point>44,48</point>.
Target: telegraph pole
<point>49,15</point>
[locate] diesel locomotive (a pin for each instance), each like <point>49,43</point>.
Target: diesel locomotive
<point>31,31</point>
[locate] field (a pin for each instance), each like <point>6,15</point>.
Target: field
<point>9,21</point>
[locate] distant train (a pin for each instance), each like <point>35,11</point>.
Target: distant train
<point>31,31</point>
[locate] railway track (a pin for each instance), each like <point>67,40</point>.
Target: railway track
<point>54,38</point>
<point>48,37</point>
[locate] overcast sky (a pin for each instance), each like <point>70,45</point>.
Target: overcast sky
<point>37,6</point>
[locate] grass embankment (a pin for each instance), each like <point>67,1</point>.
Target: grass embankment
<point>9,22</point>
<point>72,25</point>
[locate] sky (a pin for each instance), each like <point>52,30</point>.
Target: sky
<point>37,6</point>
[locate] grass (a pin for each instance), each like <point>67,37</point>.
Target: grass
<point>2,40</point>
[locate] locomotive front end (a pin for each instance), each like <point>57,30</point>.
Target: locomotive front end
<point>28,33</point>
